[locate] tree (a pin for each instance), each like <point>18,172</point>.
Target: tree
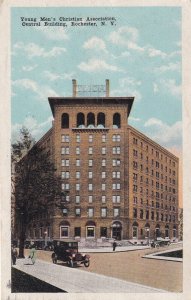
<point>36,185</point>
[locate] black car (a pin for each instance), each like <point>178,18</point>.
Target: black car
<point>67,251</point>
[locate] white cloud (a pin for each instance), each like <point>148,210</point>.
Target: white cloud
<point>95,43</point>
<point>126,36</point>
<point>29,68</point>
<point>128,86</point>
<point>52,33</point>
<point>155,88</point>
<point>53,76</point>
<point>96,65</point>
<point>172,67</point>
<point>34,50</point>
<point>152,52</point>
<point>133,119</point>
<point>164,134</point>
<point>42,92</point>
<point>36,129</point>
<point>172,87</point>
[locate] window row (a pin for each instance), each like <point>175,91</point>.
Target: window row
<point>115,199</point>
<point>154,152</point>
<point>66,138</point>
<point>66,162</point>
<point>66,150</point>
<point>66,174</point>
<point>153,215</point>
<point>91,212</point>
<point>91,120</point>
<point>115,186</point>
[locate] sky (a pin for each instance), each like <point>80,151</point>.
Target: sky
<point>140,54</point>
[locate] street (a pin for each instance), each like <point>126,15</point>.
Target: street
<point>130,266</point>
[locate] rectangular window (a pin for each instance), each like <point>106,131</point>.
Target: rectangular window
<point>103,162</point>
<point>116,150</point>
<point>64,232</point>
<point>103,150</point>
<point>90,174</point>
<point>77,175</point>
<point>90,138</point>
<point>116,162</point>
<point>116,212</point>
<point>77,138</point>
<point>90,198</point>
<point>134,213</point>
<point>77,150</point>
<point>65,212</point>
<point>116,199</point>
<point>103,138</point>
<point>116,175</point>
<point>90,150</point>
<point>103,212</point>
<point>103,174</point>
<point>65,138</point>
<point>90,212</point>
<point>65,163</point>
<point>103,187</point>
<point>77,186</point>
<point>103,199</point>
<point>77,231</point>
<point>103,231</point>
<point>65,186</point>
<point>65,175</point>
<point>90,231</point>
<point>78,212</point>
<point>116,186</point>
<point>77,162</point>
<point>90,163</point>
<point>90,187</point>
<point>77,199</point>
<point>65,150</point>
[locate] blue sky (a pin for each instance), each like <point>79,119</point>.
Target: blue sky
<point>140,55</point>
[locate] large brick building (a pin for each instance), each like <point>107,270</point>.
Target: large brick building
<point>118,182</point>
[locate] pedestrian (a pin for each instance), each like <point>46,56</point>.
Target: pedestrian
<point>14,255</point>
<point>114,245</point>
<point>32,254</point>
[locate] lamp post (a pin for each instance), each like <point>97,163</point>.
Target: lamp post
<point>147,230</point>
<point>45,235</point>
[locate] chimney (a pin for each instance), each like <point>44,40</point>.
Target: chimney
<point>107,87</point>
<point>74,85</point>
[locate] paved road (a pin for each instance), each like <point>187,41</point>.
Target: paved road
<point>76,280</point>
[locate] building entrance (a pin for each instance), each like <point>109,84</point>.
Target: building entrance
<point>116,230</point>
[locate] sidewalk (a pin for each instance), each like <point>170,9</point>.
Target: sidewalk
<point>110,249</point>
<point>76,280</point>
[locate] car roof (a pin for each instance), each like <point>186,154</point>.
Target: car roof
<point>66,241</point>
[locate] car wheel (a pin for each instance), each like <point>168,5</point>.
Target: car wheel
<point>54,258</point>
<point>87,263</point>
<point>71,263</point>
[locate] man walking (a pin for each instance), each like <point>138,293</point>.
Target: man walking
<point>32,254</point>
<point>114,245</point>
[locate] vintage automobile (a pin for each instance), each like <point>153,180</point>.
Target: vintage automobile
<point>160,242</point>
<point>67,251</point>
<point>44,245</point>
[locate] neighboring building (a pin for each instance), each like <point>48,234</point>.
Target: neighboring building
<point>117,182</point>
<point>180,226</point>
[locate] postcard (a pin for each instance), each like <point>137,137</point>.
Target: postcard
<point>95,133</point>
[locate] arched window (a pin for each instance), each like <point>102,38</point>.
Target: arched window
<point>116,120</point>
<point>80,120</point>
<point>90,120</point>
<point>101,120</point>
<point>65,120</point>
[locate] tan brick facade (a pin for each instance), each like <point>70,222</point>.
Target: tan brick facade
<point>113,175</point>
